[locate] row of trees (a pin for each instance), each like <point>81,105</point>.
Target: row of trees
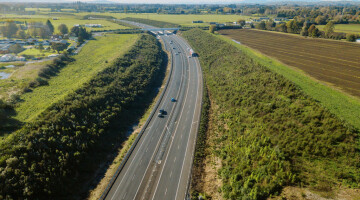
<point>32,29</point>
<point>306,28</point>
<point>44,158</point>
<point>266,131</point>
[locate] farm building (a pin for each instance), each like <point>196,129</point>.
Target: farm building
<point>197,22</point>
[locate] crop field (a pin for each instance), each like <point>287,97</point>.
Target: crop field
<point>334,62</point>
<point>345,28</point>
<point>103,50</point>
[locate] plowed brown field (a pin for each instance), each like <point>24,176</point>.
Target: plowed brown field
<point>335,62</point>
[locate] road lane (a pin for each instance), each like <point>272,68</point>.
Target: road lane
<point>160,164</point>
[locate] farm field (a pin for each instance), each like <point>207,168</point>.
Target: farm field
<point>102,50</point>
<point>333,62</point>
<point>345,28</point>
<point>37,53</point>
<point>69,21</point>
<point>183,20</point>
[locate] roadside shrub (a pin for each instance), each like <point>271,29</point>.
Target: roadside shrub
<point>268,133</point>
<point>351,37</point>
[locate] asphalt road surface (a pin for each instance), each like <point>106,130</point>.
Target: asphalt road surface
<point>159,167</point>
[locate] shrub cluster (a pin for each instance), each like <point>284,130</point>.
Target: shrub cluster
<point>269,133</point>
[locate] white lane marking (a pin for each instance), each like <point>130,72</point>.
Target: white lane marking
<point>181,82</point>
<point>165,191</point>
<point>181,115</point>
<point>178,146</point>
<point>174,159</point>
<point>182,167</point>
<point>124,195</point>
<point>142,142</point>
<point>170,174</point>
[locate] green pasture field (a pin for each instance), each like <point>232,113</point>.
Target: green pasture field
<point>36,52</point>
<point>103,51</point>
<point>344,28</point>
<point>183,20</point>
<point>69,21</point>
<point>38,9</point>
<point>344,106</point>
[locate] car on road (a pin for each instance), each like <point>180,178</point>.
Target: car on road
<point>161,113</point>
<point>173,100</point>
<point>173,47</point>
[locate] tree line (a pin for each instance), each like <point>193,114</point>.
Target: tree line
<point>306,28</point>
<point>43,159</point>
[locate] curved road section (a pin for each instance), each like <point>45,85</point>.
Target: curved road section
<point>159,167</point>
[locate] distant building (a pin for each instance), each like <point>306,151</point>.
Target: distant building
<point>56,37</point>
<point>196,22</point>
<point>358,40</point>
<point>93,25</point>
<point>11,57</point>
<point>212,23</point>
<point>264,18</point>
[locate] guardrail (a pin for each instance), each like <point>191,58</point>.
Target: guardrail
<point>125,159</point>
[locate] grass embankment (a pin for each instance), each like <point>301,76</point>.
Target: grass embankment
<point>94,57</point>
<point>268,132</point>
<point>67,141</point>
<point>345,107</point>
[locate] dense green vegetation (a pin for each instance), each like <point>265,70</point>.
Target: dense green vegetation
<point>52,149</point>
<point>155,23</point>
<point>269,133</point>
<point>103,51</point>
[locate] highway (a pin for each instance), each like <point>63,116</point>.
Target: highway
<point>159,166</point>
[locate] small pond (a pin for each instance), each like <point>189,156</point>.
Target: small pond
<point>4,75</point>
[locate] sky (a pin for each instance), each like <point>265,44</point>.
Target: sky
<point>169,1</point>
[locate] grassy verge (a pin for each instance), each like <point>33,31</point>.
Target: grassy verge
<point>346,107</point>
<point>94,57</point>
<point>267,132</point>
